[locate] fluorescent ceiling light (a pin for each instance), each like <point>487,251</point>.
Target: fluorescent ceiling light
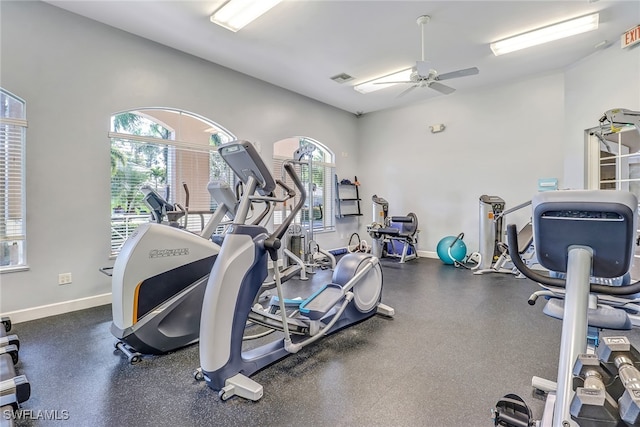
<point>379,83</point>
<point>235,14</point>
<point>546,34</point>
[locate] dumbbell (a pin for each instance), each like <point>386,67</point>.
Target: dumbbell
<point>6,322</point>
<point>617,351</point>
<point>592,405</point>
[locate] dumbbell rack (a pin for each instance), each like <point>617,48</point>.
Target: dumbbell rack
<point>14,389</point>
<point>606,385</point>
<point>610,389</point>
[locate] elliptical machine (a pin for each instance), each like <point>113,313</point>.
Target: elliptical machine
<point>159,278</point>
<point>583,234</point>
<point>236,279</point>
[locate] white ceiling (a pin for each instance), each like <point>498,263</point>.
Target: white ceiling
<point>300,44</point>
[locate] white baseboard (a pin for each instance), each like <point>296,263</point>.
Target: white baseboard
<point>427,254</point>
<point>42,311</point>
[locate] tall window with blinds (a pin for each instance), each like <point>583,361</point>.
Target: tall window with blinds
<point>319,208</point>
<point>171,152</point>
<point>13,125</point>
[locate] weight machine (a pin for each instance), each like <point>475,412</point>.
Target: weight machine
<point>393,233</point>
<point>493,253</point>
<point>300,249</point>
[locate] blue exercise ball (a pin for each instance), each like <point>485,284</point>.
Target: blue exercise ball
<point>451,248</point>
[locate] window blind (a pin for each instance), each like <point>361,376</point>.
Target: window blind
<point>13,126</point>
<point>139,157</point>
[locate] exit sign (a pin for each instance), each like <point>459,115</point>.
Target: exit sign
<point>631,37</point>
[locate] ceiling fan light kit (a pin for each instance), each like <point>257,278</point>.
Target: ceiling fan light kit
<point>421,75</point>
<point>546,34</point>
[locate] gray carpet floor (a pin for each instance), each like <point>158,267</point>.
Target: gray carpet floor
<point>458,343</point>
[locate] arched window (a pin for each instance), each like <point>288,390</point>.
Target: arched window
<point>13,236</point>
<point>320,197</point>
<point>163,149</point>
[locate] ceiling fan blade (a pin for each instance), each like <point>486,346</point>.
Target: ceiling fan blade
<point>406,91</point>
<point>441,88</point>
<point>460,73</point>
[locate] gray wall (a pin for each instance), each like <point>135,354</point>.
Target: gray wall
<point>498,141</point>
<point>74,74</point>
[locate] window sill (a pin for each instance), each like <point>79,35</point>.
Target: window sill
<point>14,269</point>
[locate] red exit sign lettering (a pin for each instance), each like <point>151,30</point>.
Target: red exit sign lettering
<point>631,37</point>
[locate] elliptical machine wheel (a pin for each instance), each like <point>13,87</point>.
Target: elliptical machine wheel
<point>198,375</point>
<point>133,357</point>
<point>368,290</point>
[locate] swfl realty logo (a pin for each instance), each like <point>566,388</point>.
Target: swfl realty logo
<point>163,253</point>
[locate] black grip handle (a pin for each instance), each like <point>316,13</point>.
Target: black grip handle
<point>186,192</point>
<point>263,214</point>
<point>106,271</point>
<point>512,241</point>
<point>458,237</point>
<point>290,191</point>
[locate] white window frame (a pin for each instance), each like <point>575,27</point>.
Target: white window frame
<point>621,159</point>
<point>132,221</point>
<point>328,223</point>
<point>13,244</point>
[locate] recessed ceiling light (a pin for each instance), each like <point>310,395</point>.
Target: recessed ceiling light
<point>546,34</point>
<point>384,82</point>
<point>235,14</point>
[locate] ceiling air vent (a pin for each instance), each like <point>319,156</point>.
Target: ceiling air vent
<point>342,78</point>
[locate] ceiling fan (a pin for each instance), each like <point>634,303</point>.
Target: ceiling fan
<point>422,75</point>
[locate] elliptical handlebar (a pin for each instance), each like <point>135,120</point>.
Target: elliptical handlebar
<point>186,192</point>
<point>512,242</point>
<point>272,243</point>
<point>290,191</point>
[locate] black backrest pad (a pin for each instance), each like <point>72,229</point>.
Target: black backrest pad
<point>601,220</point>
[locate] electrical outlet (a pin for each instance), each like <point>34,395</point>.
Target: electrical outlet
<point>64,278</point>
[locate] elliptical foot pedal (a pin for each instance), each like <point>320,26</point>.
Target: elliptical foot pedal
<point>318,304</point>
<point>239,385</point>
<point>511,411</point>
